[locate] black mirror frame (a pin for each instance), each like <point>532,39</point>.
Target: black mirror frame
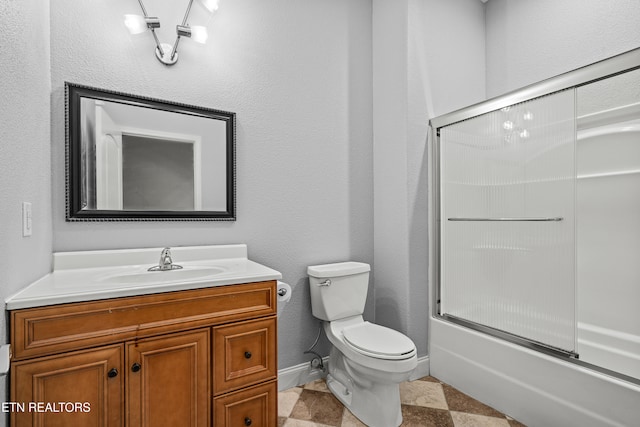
<point>74,212</point>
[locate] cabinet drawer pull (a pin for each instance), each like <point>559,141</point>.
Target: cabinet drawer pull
<point>247,421</point>
<point>247,355</point>
<point>112,373</point>
<point>135,367</point>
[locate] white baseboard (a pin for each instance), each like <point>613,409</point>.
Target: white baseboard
<point>303,373</point>
<point>422,370</point>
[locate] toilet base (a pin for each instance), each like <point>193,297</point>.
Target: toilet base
<point>376,404</point>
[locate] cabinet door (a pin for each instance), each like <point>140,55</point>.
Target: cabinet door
<point>255,407</point>
<point>244,354</point>
<point>73,389</point>
<point>168,380</point>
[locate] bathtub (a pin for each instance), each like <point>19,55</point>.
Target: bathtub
<point>532,387</point>
<point>543,390</point>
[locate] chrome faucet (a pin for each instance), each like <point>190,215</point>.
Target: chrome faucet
<point>165,263</point>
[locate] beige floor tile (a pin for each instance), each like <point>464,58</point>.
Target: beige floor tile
<point>515,423</point>
<point>430,379</point>
<point>317,385</point>
<point>425,403</point>
<point>287,400</point>
<point>421,416</point>
<point>423,393</point>
<point>301,423</point>
<point>461,402</point>
<point>318,406</point>
<point>461,419</point>
<point>350,420</point>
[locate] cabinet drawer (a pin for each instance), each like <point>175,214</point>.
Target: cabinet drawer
<point>255,407</point>
<point>49,330</point>
<point>244,354</point>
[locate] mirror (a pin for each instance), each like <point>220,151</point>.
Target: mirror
<point>136,158</point>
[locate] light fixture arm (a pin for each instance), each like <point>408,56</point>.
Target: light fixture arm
<point>184,24</point>
<point>152,26</point>
<point>144,10</point>
<point>166,53</point>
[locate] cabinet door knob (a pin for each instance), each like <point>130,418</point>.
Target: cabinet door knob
<point>112,373</point>
<point>247,355</point>
<point>247,421</point>
<point>135,367</point>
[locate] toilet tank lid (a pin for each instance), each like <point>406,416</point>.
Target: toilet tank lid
<point>338,269</point>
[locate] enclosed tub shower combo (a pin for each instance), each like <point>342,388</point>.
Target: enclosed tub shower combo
<point>535,243</point>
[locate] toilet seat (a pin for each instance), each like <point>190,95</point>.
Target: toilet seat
<point>377,341</point>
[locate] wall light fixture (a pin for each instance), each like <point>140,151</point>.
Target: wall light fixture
<point>166,53</point>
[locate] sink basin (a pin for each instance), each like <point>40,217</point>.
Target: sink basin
<point>143,277</point>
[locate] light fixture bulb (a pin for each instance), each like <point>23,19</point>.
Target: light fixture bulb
<point>136,24</point>
<point>508,125</point>
<point>199,34</point>
<point>166,53</point>
<point>211,5</point>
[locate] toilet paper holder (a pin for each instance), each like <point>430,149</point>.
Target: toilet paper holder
<point>283,292</point>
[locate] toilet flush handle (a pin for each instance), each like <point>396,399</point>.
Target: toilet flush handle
<point>325,283</point>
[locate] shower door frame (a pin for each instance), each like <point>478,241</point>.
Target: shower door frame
<point>619,64</point>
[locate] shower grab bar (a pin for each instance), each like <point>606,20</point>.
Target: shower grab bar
<point>558,218</point>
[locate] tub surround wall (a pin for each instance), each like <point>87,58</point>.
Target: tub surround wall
<point>298,76</point>
<point>25,149</point>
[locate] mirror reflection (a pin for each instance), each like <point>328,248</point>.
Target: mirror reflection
<point>133,157</point>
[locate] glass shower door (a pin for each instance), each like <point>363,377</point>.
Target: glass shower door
<point>507,221</point>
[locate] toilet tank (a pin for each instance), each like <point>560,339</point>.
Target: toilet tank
<point>338,290</point>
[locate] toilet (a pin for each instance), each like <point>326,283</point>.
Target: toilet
<point>367,362</point>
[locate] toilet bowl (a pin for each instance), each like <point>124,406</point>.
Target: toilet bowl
<point>367,362</point>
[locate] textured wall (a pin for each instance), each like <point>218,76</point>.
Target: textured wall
<point>531,40</point>
<point>24,149</point>
<point>298,75</point>
<point>428,59</point>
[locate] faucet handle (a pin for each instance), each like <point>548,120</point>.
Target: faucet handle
<point>165,259</point>
<point>165,263</point>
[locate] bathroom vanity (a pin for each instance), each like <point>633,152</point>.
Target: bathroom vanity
<point>196,348</point>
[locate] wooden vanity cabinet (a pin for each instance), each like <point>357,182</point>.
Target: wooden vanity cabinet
<point>167,380</point>
<point>193,358</point>
<point>91,378</point>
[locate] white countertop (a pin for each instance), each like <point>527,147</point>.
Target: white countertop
<point>95,275</point>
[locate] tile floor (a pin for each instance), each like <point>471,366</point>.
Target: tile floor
<point>426,402</point>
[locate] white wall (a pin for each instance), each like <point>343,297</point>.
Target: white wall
<point>298,76</point>
<point>428,59</point>
<point>532,40</point>
<point>24,149</point>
